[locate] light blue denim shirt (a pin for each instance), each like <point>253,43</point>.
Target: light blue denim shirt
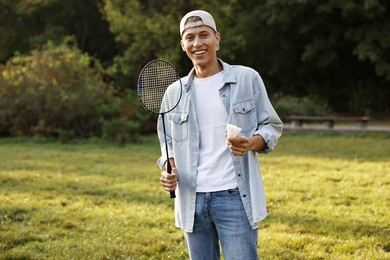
<point>246,101</point>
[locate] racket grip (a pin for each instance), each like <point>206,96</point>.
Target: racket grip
<point>169,170</point>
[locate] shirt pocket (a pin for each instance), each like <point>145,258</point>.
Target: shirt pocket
<point>245,116</point>
<point>179,125</point>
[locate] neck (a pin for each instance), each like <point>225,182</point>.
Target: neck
<point>209,70</point>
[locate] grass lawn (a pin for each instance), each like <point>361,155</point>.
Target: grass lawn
<point>328,198</point>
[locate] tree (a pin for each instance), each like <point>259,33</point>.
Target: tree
<point>30,24</point>
<point>337,51</point>
<point>150,29</point>
<point>333,51</point>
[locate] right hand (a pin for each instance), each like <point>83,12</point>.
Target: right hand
<point>169,180</point>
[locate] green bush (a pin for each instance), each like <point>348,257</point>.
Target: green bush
<point>121,131</point>
<point>288,105</point>
<point>133,122</point>
<point>60,92</point>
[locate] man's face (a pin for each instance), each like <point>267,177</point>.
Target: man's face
<point>201,44</point>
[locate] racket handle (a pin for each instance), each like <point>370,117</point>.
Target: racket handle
<point>169,170</point>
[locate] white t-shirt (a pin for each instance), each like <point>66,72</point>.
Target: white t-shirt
<point>215,165</point>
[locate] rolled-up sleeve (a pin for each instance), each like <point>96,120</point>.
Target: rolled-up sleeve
<point>269,124</point>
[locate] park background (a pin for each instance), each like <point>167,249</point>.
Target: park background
<point>69,68</point>
<point>77,152</point>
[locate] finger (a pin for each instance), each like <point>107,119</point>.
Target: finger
<point>174,171</point>
<point>167,175</point>
<point>236,150</point>
<point>168,186</point>
<point>172,189</point>
<point>167,179</point>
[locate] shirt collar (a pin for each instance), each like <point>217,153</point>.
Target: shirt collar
<point>229,76</point>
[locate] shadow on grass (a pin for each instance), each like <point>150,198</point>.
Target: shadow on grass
<point>336,228</point>
<point>129,191</point>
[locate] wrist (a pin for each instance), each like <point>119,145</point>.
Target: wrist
<point>256,143</point>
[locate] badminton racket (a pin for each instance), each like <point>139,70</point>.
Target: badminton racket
<point>153,82</point>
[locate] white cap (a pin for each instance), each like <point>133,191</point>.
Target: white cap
<point>206,19</point>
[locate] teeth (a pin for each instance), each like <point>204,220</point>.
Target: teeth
<point>199,52</point>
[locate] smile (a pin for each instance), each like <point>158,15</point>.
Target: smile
<point>199,52</point>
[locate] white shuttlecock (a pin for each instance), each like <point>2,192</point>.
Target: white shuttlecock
<point>231,131</point>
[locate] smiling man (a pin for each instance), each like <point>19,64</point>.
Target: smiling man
<point>200,41</point>
<point>220,194</point>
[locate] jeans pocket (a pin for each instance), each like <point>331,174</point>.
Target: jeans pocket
<point>234,194</point>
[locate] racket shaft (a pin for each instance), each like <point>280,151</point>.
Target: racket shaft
<point>169,167</point>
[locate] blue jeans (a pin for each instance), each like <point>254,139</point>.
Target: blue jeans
<point>220,217</point>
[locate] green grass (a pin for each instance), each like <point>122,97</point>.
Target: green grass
<point>328,198</point>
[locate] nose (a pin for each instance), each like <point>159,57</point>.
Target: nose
<point>197,41</point>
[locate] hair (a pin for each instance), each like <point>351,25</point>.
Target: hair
<point>193,19</point>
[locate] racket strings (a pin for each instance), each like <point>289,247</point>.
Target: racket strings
<point>153,83</point>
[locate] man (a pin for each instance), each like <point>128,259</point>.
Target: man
<point>220,195</point>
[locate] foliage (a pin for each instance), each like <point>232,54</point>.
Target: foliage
<point>140,30</point>
<point>288,105</point>
<point>327,199</point>
<point>333,51</point>
<point>54,20</point>
<point>133,121</point>
<point>57,92</point>
<point>149,29</point>
<point>326,50</point>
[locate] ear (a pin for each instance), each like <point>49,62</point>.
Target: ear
<point>182,45</point>
<point>218,37</point>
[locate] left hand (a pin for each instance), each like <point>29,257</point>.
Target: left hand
<point>239,145</point>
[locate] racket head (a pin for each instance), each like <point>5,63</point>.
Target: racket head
<point>153,82</point>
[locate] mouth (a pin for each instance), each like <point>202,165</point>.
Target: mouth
<point>199,52</point>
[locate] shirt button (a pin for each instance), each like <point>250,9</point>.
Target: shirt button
<point>244,195</point>
<point>239,175</point>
